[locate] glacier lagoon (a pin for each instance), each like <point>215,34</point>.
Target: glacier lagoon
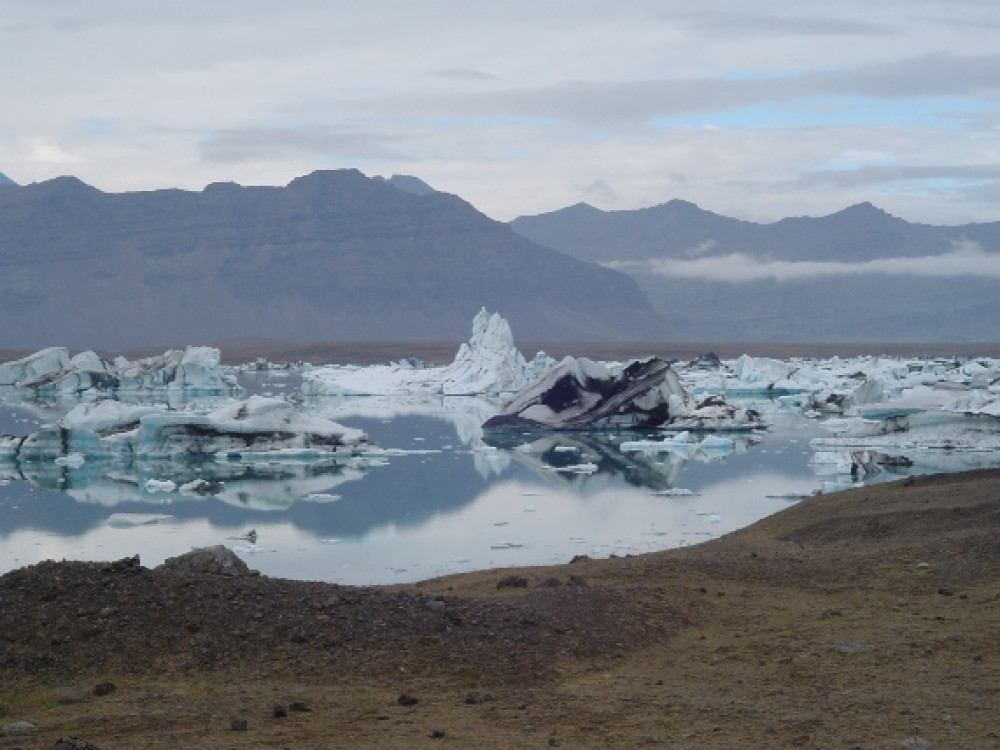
<point>437,499</point>
<point>384,474</point>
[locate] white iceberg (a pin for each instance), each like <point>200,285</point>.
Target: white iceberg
<point>488,365</point>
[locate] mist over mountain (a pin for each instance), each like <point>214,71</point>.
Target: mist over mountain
<point>333,256</point>
<point>856,275</point>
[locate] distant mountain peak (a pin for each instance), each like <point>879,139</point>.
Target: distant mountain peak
<point>66,185</point>
<point>865,207</point>
<point>410,184</point>
<point>5,181</point>
<point>329,178</point>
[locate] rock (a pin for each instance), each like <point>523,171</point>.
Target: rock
<point>18,729</point>
<point>513,582</point>
<point>238,725</point>
<point>73,743</point>
<point>105,688</point>
<point>405,699</point>
<point>217,560</point>
<point>854,648</point>
<point>280,711</point>
<point>299,707</point>
<point>437,734</point>
<point>69,696</point>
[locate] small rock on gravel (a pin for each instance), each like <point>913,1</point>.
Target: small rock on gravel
<point>105,688</point>
<point>73,743</point>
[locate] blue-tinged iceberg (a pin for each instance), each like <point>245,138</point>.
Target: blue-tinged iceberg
<point>255,428</point>
<point>258,427</point>
<point>196,370</point>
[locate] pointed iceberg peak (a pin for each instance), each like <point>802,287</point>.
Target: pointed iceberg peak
<point>490,362</point>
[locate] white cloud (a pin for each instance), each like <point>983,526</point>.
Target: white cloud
<point>966,259</point>
<point>520,106</point>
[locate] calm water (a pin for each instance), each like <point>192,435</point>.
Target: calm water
<point>440,502</point>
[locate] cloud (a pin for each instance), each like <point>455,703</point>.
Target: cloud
<point>742,22</point>
<point>874,175</point>
<point>462,74</point>
<point>606,102</point>
<point>250,144</point>
<point>966,259</point>
<point>599,191</point>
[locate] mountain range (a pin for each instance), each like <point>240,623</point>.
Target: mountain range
<point>338,256</point>
<point>332,256</point>
<point>856,275</point>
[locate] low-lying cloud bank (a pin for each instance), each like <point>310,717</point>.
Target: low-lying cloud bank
<point>966,259</point>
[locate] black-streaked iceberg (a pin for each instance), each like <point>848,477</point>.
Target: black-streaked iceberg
<point>581,394</point>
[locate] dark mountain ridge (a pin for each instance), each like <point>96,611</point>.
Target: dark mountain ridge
<point>333,256</point>
<point>852,304</point>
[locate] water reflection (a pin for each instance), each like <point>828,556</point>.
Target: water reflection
<point>442,497</point>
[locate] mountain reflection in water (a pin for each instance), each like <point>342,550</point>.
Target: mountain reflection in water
<point>439,497</point>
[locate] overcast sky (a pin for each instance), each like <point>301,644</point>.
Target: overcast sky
<point>755,110</point>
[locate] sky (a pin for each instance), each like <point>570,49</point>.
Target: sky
<point>753,110</point>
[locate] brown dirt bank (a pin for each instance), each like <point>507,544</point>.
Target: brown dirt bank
<point>862,619</point>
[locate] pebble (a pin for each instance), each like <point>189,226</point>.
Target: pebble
<point>73,743</point>
<point>238,725</point>
<point>513,582</point>
<point>405,699</point>
<point>105,688</point>
<point>18,728</point>
<point>437,734</point>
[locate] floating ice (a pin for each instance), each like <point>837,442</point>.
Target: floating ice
<point>196,369</point>
<point>159,485</point>
<point>579,393</point>
<point>488,365</point>
<point>126,520</point>
<point>72,460</point>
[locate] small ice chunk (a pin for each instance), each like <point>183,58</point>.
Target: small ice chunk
<point>71,460</point>
<point>127,520</point>
<point>158,485</point>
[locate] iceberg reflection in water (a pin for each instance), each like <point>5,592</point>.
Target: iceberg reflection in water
<point>431,495</point>
<point>433,498</point>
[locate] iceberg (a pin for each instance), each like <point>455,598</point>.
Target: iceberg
<point>488,365</point>
<point>195,370</point>
<point>258,427</point>
<point>580,394</point>
<point>41,364</point>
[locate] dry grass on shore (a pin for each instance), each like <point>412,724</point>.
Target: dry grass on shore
<point>869,619</point>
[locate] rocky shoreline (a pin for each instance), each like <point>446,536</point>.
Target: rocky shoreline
<point>861,619</point>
